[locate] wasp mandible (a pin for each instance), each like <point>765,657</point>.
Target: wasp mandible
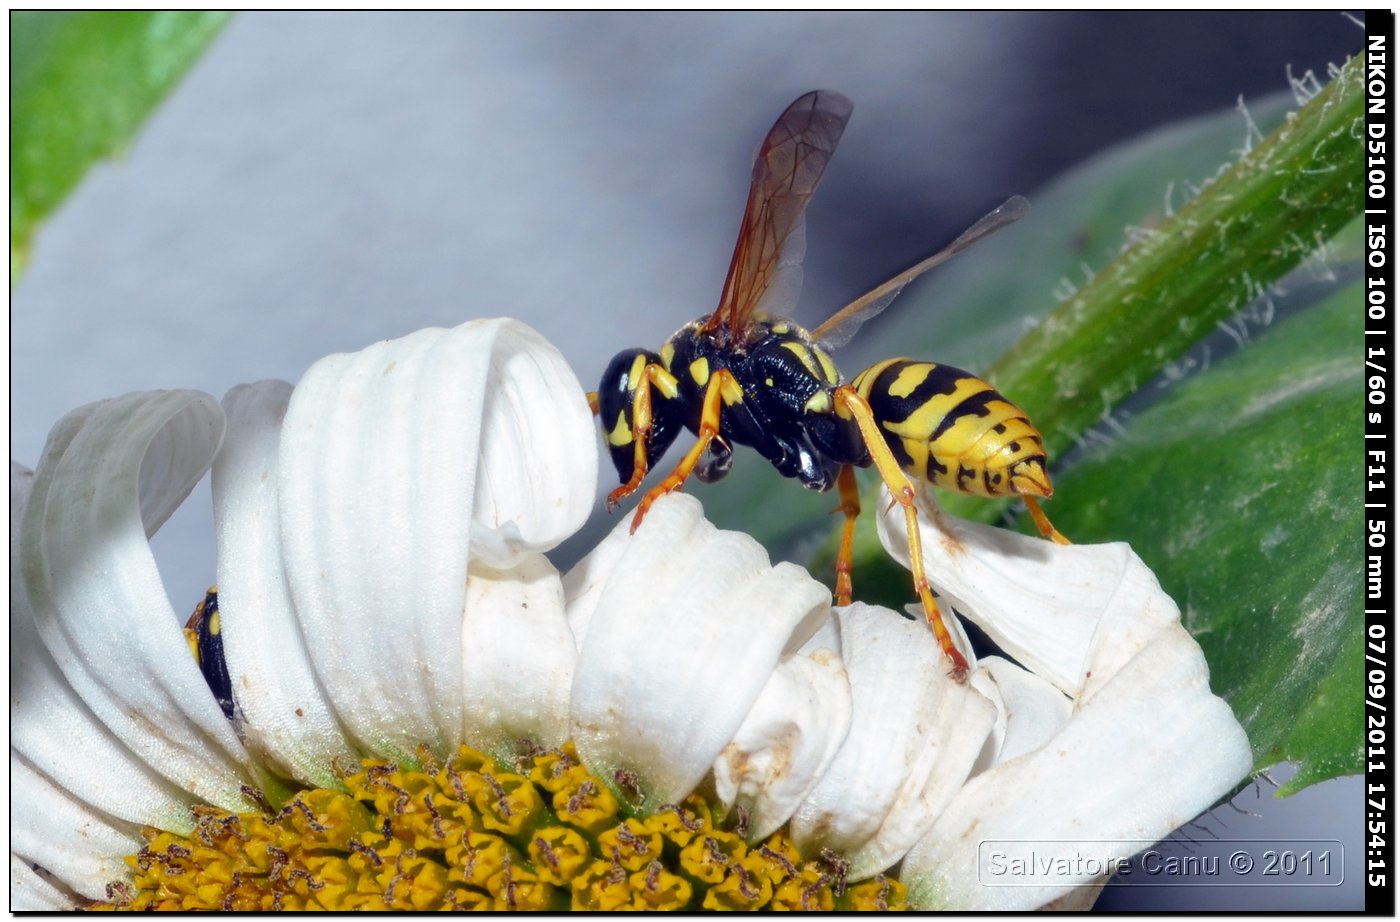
<point>746,375</point>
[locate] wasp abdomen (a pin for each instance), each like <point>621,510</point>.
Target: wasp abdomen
<point>953,429</point>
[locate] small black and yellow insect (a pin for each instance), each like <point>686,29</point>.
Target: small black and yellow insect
<point>746,375</point>
<point>204,635</point>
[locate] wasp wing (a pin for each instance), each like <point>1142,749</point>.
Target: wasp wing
<point>767,262</point>
<point>840,327</point>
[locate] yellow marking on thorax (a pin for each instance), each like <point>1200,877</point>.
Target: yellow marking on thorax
<point>820,402</point>
<point>668,352</point>
<point>700,370</point>
<point>804,355</point>
<point>621,434</point>
<point>833,377</point>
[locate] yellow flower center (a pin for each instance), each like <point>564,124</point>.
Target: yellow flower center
<point>473,835</point>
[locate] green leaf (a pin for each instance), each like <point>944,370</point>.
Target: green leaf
<point>1240,490</point>
<point>80,86</point>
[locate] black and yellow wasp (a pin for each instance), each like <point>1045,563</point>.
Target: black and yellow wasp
<point>746,375</point>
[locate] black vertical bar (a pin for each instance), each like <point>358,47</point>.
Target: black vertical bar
<point>1379,358</point>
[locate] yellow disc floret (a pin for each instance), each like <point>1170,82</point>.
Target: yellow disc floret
<point>474,834</point>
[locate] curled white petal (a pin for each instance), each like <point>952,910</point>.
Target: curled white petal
<point>518,657</point>
<point>80,846</point>
<point>539,463</point>
<point>110,474</point>
<point>1039,601</point>
<point>915,734</point>
<point>1146,753</point>
<point>686,631</point>
<point>1035,710</point>
<point>982,681</point>
<point>789,738</point>
<point>387,489</point>
<point>50,724</point>
<point>285,717</point>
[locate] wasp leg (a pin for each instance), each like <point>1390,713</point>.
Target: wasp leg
<point>652,376</point>
<point>1042,521</point>
<point>850,508</point>
<point>902,489</point>
<point>709,428</point>
<point>593,402</point>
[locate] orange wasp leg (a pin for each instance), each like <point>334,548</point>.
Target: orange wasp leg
<point>902,489</point>
<point>850,508</point>
<point>709,428</point>
<point>1042,521</point>
<point>593,402</point>
<point>652,376</point>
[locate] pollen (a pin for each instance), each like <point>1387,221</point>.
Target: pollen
<point>541,834</point>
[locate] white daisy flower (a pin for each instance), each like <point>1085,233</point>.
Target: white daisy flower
<point>425,713</point>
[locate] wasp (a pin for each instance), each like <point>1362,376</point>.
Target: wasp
<point>747,375</point>
<point>206,640</point>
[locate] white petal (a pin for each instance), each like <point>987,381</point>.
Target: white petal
<point>539,460</point>
<point>518,655</point>
<point>1039,601</point>
<point>585,581</point>
<point>79,846</point>
<point>788,740</point>
<point>49,723</point>
<point>1146,754</point>
<point>986,686</point>
<point>52,728</point>
<point>1035,709</point>
<point>915,734</point>
<point>31,892</point>
<point>98,600</point>
<point>687,630</point>
<point>285,716</point>
<point>379,479</point>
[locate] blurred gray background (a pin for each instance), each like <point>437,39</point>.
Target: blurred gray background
<point>321,181</point>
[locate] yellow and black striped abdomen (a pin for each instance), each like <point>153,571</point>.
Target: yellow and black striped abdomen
<point>953,429</point>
